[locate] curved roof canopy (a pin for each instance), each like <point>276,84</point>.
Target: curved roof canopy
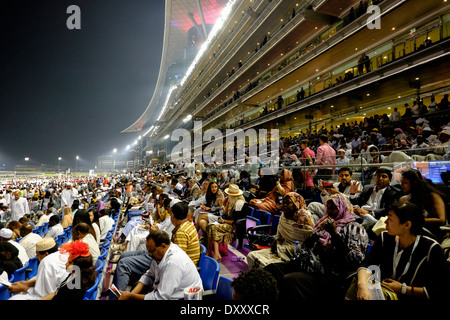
<point>180,17</point>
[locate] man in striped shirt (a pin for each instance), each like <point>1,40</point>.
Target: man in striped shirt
<point>184,234</point>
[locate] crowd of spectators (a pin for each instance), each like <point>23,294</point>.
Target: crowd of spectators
<point>324,208</point>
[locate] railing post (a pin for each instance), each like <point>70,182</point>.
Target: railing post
<point>362,170</point>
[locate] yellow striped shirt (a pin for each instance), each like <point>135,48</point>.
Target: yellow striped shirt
<point>186,238</point>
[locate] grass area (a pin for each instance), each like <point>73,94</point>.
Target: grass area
<point>47,174</point>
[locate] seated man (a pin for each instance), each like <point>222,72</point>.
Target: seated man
<point>51,272</point>
<point>55,227</point>
<point>171,271</point>
<point>193,191</point>
<point>372,202</point>
<point>105,222</point>
<point>134,263</point>
<point>345,177</point>
<point>29,240</point>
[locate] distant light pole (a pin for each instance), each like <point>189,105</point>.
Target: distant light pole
<point>114,158</point>
<point>59,164</point>
<point>26,162</point>
<point>76,163</point>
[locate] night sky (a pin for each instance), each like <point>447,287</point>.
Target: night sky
<point>71,92</point>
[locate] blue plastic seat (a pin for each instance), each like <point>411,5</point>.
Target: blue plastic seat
<point>202,255</point>
<point>60,239</point>
<point>32,268</point>
<point>103,253</point>
<point>20,274</point>
<point>224,289</point>
<point>106,244</point>
<point>91,293</point>
<point>68,232</point>
<point>263,216</point>
<point>209,272</point>
<point>4,292</point>
<point>99,264</point>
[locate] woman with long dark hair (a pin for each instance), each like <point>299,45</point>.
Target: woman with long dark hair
<point>214,198</point>
<point>82,274</point>
<point>421,192</point>
<point>83,216</point>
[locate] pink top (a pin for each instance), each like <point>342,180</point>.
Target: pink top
<point>326,155</point>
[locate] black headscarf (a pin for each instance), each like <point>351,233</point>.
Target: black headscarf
<point>12,263</point>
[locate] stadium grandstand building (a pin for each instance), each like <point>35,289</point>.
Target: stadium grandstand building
<point>293,65</point>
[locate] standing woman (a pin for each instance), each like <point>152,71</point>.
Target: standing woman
<point>410,264</point>
<point>282,187</point>
<point>307,158</point>
<point>235,208</point>
<point>422,193</point>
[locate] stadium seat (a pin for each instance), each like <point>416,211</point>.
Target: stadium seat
<point>103,253</point>
<point>202,255</point>
<point>99,265</point>
<point>224,290</point>
<point>106,244</point>
<point>263,216</point>
<point>91,293</point>
<point>68,232</point>
<point>241,229</point>
<point>20,274</point>
<point>4,292</point>
<point>209,273</point>
<point>60,239</point>
<point>32,268</point>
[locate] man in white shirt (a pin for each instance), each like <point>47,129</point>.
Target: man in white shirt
<point>395,116</point>
<point>51,272</point>
<point>372,202</point>
<point>67,196</point>
<point>19,206</point>
<point>105,222</point>
<point>29,240</point>
<point>55,227</point>
<point>170,273</point>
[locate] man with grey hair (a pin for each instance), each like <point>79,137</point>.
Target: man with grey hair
<point>193,190</point>
<point>171,271</point>
<point>19,206</point>
<point>67,196</point>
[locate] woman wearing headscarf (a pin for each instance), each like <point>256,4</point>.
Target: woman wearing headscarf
<point>296,224</point>
<point>339,242</point>
<point>9,258</point>
<point>271,203</point>
<point>234,208</point>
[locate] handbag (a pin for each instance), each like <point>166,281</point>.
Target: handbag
<point>388,293</point>
<point>258,237</point>
<point>305,260</point>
